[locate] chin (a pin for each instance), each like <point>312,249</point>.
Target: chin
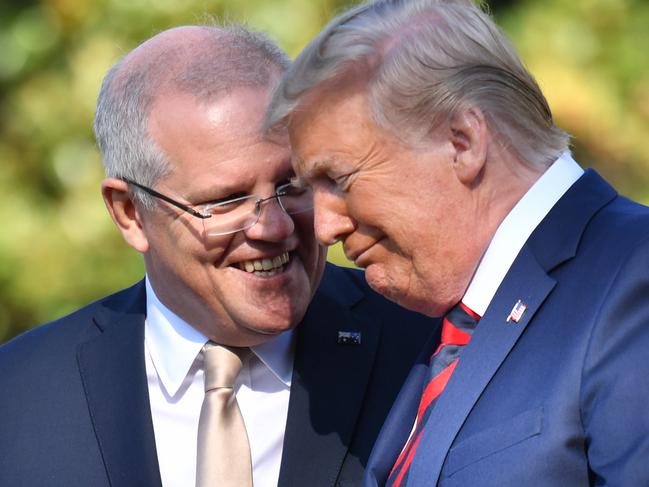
<point>277,322</point>
<point>379,280</point>
<point>403,295</point>
<point>269,331</point>
<point>387,290</point>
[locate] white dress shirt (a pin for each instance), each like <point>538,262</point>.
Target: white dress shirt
<point>175,382</point>
<point>516,228</point>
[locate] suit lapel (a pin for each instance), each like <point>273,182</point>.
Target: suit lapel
<point>329,382</point>
<point>554,241</point>
<point>491,342</point>
<point>112,369</point>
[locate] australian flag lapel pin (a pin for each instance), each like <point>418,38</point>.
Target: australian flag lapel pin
<point>349,337</point>
<point>517,311</point>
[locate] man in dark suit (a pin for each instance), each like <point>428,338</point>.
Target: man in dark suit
<point>111,394</point>
<point>433,156</point>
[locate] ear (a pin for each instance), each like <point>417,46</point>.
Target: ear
<point>469,137</point>
<point>124,213</point>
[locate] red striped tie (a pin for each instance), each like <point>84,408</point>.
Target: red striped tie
<point>457,328</point>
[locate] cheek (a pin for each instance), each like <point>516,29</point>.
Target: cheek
<point>305,232</point>
<point>321,259</point>
<point>361,201</point>
<point>312,253</point>
<point>214,250</point>
<point>377,206</point>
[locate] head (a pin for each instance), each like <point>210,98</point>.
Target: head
<point>179,124</point>
<point>419,129</point>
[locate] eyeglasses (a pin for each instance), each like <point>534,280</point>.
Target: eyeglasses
<point>236,214</point>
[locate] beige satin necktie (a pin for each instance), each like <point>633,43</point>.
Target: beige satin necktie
<point>223,455</point>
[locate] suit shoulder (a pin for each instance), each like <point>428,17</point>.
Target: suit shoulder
<point>60,336</point>
<point>622,225</point>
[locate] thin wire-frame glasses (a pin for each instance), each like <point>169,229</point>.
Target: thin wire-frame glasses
<point>236,214</point>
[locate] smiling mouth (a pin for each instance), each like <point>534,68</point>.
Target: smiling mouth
<point>266,267</point>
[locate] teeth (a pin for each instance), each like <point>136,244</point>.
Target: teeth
<point>268,266</point>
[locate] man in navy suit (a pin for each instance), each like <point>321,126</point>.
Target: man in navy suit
<point>111,394</point>
<point>433,156</point>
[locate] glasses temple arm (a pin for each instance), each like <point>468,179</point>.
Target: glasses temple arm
<point>173,202</point>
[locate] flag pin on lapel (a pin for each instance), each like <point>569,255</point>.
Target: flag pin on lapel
<point>517,311</point>
<point>349,337</point>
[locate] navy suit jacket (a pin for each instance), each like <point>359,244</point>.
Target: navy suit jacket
<point>74,406</point>
<point>560,398</point>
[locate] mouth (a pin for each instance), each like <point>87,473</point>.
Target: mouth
<point>354,255</point>
<point>266,267</point>
<point>360,257</point>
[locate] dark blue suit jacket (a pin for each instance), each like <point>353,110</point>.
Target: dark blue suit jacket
<point>74,407</point>
<point>560,398</point>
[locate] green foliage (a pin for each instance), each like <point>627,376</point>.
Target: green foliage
<point>58,247</point>
<point>590,58</point>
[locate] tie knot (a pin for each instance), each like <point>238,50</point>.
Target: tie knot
<point>222,364</point>
<point>458,325</point>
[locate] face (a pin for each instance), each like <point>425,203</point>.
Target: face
<point>402,213</point>
<point>217,152</point>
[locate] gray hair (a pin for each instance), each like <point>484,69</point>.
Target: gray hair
<point>423,60</point>
<point>209,62</point>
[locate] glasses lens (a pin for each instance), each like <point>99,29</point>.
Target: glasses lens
<point>242,213</point>
<point>295,199</point>
<point>230,217</point>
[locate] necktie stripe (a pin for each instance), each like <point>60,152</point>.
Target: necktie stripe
<point>435,388</point>
<point>457,328</point>
<point>404,452</point>
<point>452,335</point>
<point>407,462</point>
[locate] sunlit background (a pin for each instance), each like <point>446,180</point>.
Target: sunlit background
<point>58,247</point>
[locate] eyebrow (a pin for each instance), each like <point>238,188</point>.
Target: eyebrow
<point>222,190</point>
<point>317,168</point>
<point>213,192</point>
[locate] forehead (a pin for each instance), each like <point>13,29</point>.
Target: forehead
<point>221,137</point>
<point>328,124</point>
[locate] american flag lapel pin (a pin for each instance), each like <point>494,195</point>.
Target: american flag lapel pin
<point>349,337</point>
<point>517,311</point>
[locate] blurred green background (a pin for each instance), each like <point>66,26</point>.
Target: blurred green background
<point>58,247</point>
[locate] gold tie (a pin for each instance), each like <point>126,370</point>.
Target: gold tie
<point>223,456</point>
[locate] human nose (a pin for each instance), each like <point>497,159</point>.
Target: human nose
<point>330,217</point>
<point>273,223</point>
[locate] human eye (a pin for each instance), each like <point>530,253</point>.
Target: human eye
<point>226,204</point>
<point>338,175</point>
<point>342,182</point>
<point>329,175</point>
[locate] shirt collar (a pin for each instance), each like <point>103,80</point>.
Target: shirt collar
<point>173,345</point>
<point>277,355</point>
<point>516,228</point>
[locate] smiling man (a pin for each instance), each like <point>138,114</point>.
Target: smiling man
<point>434,158</point>
<point>198,375</point>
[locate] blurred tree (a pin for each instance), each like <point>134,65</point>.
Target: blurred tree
<point>590,59</point>
<point>58,248</point>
